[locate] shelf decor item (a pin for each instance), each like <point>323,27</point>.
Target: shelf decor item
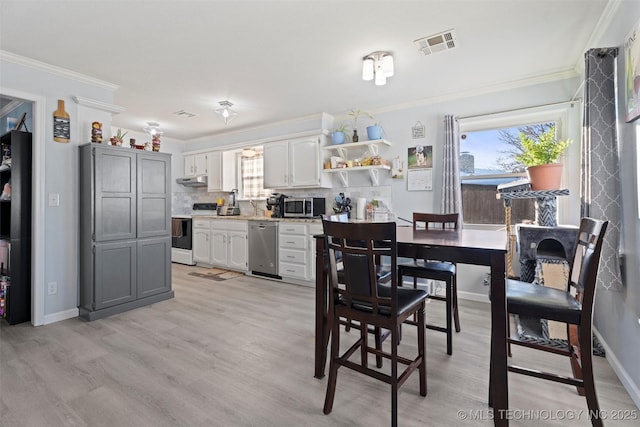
<point>339,134</point>
<point>155,142</point>
<point>96,132</point>
<point>61,124</point>
<point>540,156</point>
<point>118,139</point>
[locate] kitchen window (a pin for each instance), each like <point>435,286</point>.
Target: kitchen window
<point>251,173</point>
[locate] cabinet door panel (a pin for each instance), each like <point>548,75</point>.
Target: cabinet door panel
<point>154,266</point>
<point>219,248</point>
<point>304,162</point>
<point>276,164</point>
<point>154,195</point>
<point>115,195</point>
<point>214,170</point>
<point>237,250</point>
<point>115,273</point>
<point>201,245</point>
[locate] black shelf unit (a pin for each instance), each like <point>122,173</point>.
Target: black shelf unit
<point>15,226</point>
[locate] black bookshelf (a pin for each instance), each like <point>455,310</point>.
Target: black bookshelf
<point>15,225</point>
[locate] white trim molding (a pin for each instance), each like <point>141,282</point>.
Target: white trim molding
<point>61,315</point>
<point>627,382</point>
<point>64,72</point>
<point>98,105</point>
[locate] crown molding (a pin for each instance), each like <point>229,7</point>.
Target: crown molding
<point>599,30</point>
<point>52,69</point>
<point>98,105</point>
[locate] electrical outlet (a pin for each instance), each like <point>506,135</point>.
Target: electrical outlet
<point>52,288</point>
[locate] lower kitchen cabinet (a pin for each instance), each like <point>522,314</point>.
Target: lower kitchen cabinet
<point>294,252</point>
<point>222,243</point>
<point>202,240</point>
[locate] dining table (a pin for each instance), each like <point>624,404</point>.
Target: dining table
<point>463,246</point>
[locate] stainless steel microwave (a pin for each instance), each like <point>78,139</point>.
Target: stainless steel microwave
<point>305,207</point>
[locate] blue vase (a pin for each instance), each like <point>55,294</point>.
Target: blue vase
<point>337,138</point>
<point>374,132</point>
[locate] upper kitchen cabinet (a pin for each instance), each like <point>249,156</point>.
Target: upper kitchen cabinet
<point>214,169</point>
<point>195,164</point>
<point>294,163</point>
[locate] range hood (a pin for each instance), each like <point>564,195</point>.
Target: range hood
<point>193,181</point>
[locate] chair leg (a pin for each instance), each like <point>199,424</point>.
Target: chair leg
<point>333,367</point>
<point>364,335</point>
<point>449,302</point>
<point>421,351</point>
<point>576,354</point>
<point>394,377</point>
<point>508,335</point>
<point>586,350</point>
<point>378,339</point>
<point>456,319</point>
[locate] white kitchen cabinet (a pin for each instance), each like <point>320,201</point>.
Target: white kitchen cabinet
<point>293,252</point>
<point>353,150</point>
<point>294,163</point>
<point>229,244</point>
<point>202,241</point>
<point>195,164</point>
<point>214,169</point>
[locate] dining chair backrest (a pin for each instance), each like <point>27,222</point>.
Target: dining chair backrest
<point>359,245</point>
<point>584,272</point>
<point>337,217</point>
<point>435,221</point>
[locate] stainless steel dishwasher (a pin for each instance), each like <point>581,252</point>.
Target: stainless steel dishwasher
<point>263,248</point>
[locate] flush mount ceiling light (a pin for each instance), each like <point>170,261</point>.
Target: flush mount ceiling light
<point>153,129</point>
<point>377,66</point>
<point>226,112</point>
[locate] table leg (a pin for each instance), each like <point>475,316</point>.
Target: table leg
<point>498,371</point>
<point>322,332</point>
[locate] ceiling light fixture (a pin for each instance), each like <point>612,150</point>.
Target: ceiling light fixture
<point>249,152</point>
<point>153,129</point>
<point>377,66</point>
<point>226,112</point>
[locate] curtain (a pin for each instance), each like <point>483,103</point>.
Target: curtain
<point>451,190</point>
<point>600,187</point>
<point>252,176</point>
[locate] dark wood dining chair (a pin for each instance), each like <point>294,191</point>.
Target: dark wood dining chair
<point>572,306</point>
<point>423,266</point>
<point>363,299</point>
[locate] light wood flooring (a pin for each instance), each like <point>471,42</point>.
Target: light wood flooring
<point>240,353</point>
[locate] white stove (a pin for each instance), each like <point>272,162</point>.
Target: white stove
<point>182,232</point>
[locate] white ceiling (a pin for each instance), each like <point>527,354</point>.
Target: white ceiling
<point>281,60</point>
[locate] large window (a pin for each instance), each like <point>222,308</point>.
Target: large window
<point>487,159</point>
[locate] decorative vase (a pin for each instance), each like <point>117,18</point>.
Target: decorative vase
<point>545,177</point>
<point>337,138</point>
<point>374,132</point>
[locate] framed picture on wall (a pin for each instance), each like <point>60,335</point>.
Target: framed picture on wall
<point>632,73</point>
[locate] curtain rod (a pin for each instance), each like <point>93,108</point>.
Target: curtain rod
<point>518,109</point>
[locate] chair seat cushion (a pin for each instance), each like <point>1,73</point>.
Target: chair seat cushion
<point>544,302</point>
<point>407,298</point>
<point>436,270</point>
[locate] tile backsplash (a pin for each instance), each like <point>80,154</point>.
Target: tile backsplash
<point>182,202</point>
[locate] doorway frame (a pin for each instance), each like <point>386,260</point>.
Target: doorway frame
<point>37,200</point>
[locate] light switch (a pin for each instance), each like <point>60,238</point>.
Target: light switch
<point>54,199</point>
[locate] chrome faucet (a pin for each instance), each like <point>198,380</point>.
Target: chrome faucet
<point>255,207</point>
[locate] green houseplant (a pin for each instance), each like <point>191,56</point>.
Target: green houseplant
<point>540,155</point>
<point>339,133</point>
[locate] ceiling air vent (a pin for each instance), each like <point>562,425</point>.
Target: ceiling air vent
<point>437,42</point>
<point>184,113</point>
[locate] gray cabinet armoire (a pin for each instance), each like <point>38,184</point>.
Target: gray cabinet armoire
<point>125,234</point>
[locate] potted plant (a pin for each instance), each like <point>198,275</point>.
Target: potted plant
<point>118,139</point>
<point>374,132</point>
<point>540,155</point>
<point>339,133</point>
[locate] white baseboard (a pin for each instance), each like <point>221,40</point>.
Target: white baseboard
<point>472,296</point>
<point>61,315</point>
<point>628,383</point>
